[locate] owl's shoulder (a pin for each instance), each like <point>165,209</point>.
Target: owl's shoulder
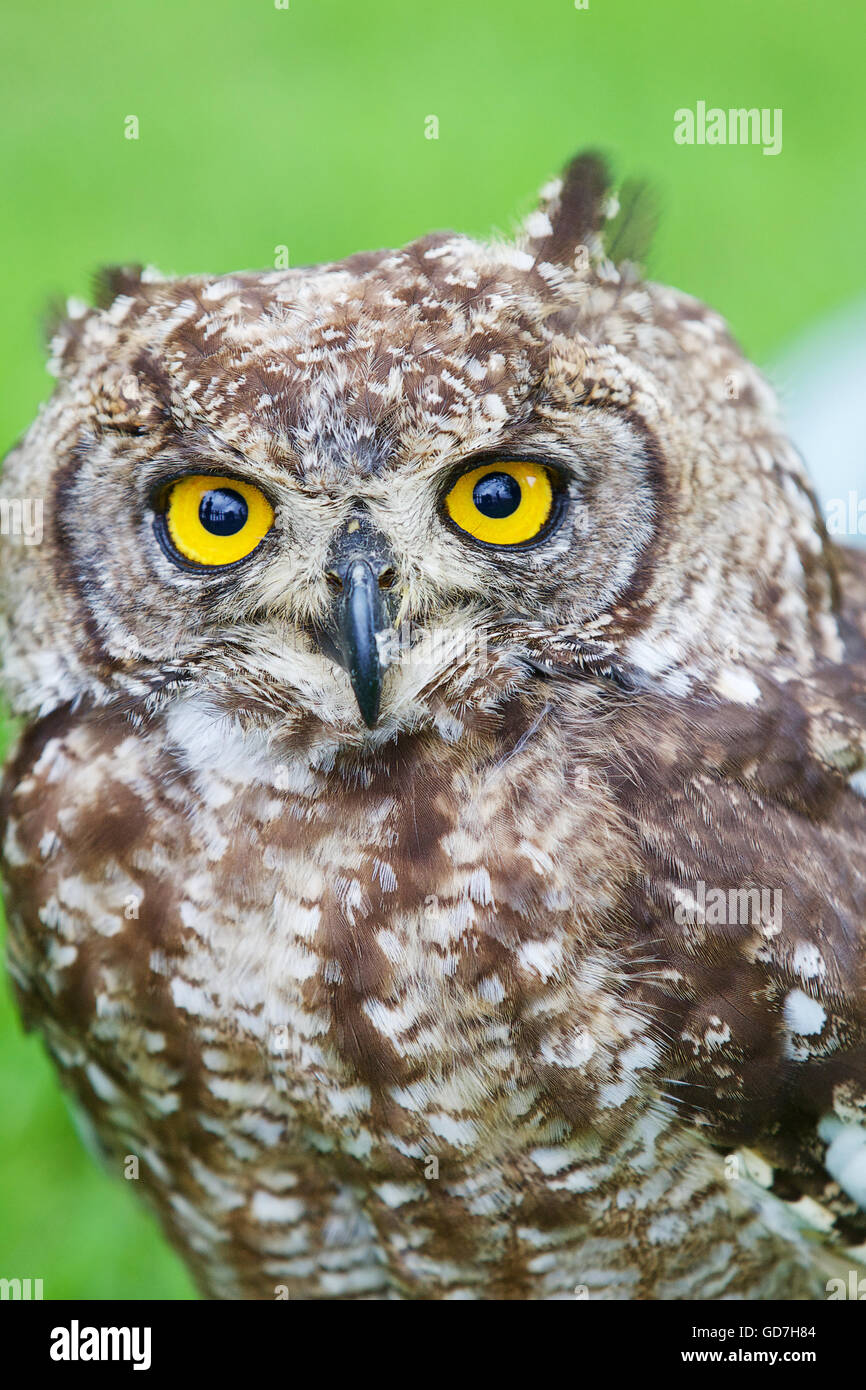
<point>751,819</point>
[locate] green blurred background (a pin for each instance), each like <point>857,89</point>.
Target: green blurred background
<point>304,127</point>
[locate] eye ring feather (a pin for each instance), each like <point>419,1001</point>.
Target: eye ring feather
<point>505,504</point>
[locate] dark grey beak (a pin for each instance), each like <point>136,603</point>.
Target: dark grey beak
<point>361,572</point>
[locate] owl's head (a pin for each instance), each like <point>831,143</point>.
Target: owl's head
<point>397,491</point>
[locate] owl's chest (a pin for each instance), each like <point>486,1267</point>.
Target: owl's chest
<point>398,956</point>
<point>364,961</point>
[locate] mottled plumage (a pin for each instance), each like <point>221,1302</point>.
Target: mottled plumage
<point>433,1008</point>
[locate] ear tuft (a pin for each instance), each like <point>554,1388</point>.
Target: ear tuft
<point>571,212</point>
<point>112,280</point>
<point>580,221</point>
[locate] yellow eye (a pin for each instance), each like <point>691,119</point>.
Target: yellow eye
<point>216,521</point>
<point>502,503</point>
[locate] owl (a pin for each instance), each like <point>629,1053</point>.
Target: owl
<point>435,848</point>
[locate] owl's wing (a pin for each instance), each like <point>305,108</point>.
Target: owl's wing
<point>751,905</point>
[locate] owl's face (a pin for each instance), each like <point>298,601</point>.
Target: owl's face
<point>386,494</point>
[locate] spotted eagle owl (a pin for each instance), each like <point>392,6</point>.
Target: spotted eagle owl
<point>436,843</point>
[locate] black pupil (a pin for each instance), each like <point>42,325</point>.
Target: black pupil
<point>223,512</point>
<point>496,495</point>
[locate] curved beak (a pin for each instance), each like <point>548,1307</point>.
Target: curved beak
<point>361,572</point>
<point>360,619</point>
